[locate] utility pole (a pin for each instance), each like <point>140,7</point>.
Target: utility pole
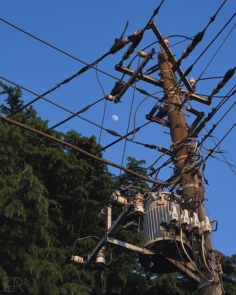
<point>175,228</point>
<point>191,183</point>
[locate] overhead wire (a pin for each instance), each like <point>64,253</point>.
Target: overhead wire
<point>119,44</point>
<point>136,110</point>
<point>75,114</point>
<point>127,130</point>
<point>216,146</point>
<point>207,47</point>
<point>92,174</point>
<point>215,125</point>
<point>58,49</point>
<point>199,78</point>
<point>226,161</point>
<point>26,127</point>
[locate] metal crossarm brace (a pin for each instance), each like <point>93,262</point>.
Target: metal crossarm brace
<point>135,75</point>
<point>142,77</point>
<point>170,55</point>
<point>103,241</point>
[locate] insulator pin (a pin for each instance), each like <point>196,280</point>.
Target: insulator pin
<point>100,260</point>
<point>116,197</point>
<point>77,259</point>
<point>102,214</point>
<point>138,205</point>
<point>142,54</point>
<point>166,41</point>
<point>153,196</point>
<point>122,200</point>
<point>110,97</point>
<point>192,83</point>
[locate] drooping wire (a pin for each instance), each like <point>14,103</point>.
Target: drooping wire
<point>136,111</point>
<point>93,171</point>
<point>123,137</point>
<point>127,130</point>
<point>226,161</point>
<point>211,152</point>
<point>74,114</point>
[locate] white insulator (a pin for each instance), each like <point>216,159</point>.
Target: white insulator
<point>122,200</point>
<point>153,196</point>
<point>192,83</point>
<point>205,225</point>
<point>142,54</point>
<point>110,97</point>
<point>102,214</point>
<point>173,215</point>
<point>77,259</point>
<point>184,218</point>
<point>194,222</point>
<point>138,205</point>
<point>101,256</point>
<point>166,41</point>
<point>114,196</point>
<point>137,32</point>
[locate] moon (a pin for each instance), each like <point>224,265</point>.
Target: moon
<point>115,117</point>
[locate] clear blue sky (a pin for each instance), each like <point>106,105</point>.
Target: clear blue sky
<point>86,30</point>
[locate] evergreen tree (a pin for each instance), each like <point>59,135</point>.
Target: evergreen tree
<point>43,190</point>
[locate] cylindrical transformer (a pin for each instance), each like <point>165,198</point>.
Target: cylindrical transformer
<point>161,233</point>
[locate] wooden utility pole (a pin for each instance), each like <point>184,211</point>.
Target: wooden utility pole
<point>191,186</point>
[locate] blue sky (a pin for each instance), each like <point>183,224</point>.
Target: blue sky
<point>86,30</point>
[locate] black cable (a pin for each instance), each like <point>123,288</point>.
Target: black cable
<point>197,39</point>
<point>123,137</point>
<point>75,114</point>
<point>211,114</point>
<point>211,152</point>
<point>56,48</point>
<point>199,78</point>
<point>90,184</point>
<point>215,125</point>
<point>191,67</point>
<point>226,161</point>
<point>209,78</point>
<point>125,143</point>
<point>137,36</point>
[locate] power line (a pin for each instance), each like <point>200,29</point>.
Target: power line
<point>85,152</point>
<point>55,104</point>
<point>76,114</point>
<point>56,48</point>
<point>191,67</point>
<point>215,54</point>
<point>85,109</point>
<point>211,152</point>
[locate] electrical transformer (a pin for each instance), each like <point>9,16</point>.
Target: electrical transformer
<point>161,225</point>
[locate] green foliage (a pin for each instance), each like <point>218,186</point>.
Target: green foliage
<point>13,99</point>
